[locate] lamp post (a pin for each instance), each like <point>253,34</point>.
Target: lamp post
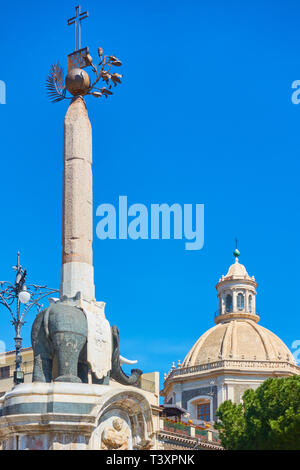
<point>19,299</point>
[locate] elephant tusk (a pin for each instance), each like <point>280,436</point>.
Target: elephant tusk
<point>123,360</point>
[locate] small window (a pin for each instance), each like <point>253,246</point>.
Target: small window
<point>228,303</point>
<point>250,303</point>
<point>4,372</point>
<point>203,411</point>
<point>240,302</point>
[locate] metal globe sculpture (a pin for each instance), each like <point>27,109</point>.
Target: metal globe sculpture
<point>78,82</point>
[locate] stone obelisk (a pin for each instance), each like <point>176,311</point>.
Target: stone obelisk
<point>80,397</point>
<point>77,274</point>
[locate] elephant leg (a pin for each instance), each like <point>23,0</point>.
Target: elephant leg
<point>68,346</point>
<point>42,351</point>
<point>42,370</point>
<point>83,367</point>
<point>103,381</point>
<point>83,370</point>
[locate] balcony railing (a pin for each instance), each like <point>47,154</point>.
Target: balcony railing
<point>218,313</point>
<point>236,364</point>
<point>191,430</point>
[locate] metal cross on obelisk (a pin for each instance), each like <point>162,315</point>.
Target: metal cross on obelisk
<point>78,57</point>
<point>79,18</point>
<point>78,81</point>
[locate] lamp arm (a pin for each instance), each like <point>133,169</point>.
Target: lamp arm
<point>3,301</point>
<point>35,302</point>
<point>8,283</point>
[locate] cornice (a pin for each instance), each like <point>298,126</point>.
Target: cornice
<point>237,367</point>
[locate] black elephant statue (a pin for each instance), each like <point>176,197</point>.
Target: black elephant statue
<point>59,341</point>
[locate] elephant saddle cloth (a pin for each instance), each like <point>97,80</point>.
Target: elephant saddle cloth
<point>99,344</point>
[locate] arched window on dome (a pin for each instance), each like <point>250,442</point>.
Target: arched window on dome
<point>228,303</point>
<point>240,301</point>
<point>250,303</point>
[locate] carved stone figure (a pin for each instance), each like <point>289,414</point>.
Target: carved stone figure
<point>144,444</point>
<point>116,437</point>
<point>59,340</point>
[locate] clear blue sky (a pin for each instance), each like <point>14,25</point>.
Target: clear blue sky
<point>204,115</point>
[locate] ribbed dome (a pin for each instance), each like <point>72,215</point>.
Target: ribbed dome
<point>237,271</point>
<point>238,339</point>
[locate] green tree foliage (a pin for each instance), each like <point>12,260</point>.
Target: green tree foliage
<point>268,418</point>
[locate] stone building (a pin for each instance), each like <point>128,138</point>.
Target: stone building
<point>234,355</point>
<point>169,434</point>
<point>7,367</point>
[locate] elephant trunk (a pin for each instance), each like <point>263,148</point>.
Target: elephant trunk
<point>117,372</point>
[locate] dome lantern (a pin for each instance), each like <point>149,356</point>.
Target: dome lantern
<point>236,293</point>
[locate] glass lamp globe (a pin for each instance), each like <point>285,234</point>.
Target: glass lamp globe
<point>24,296</point>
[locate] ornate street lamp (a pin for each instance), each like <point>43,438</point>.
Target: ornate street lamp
<point>19,299</point>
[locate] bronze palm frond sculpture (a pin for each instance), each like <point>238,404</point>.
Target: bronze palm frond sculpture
<point>55,83</point>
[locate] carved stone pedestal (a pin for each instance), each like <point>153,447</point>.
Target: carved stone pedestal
<point>67,416</point>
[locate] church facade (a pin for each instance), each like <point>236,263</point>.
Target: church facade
<point>234,355</point>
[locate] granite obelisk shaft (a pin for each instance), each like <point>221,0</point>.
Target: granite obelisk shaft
<point>77,274</point>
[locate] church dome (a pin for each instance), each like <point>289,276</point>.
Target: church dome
<point>238,340</point>
<point>237,336</point>
<point>234,355</point>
